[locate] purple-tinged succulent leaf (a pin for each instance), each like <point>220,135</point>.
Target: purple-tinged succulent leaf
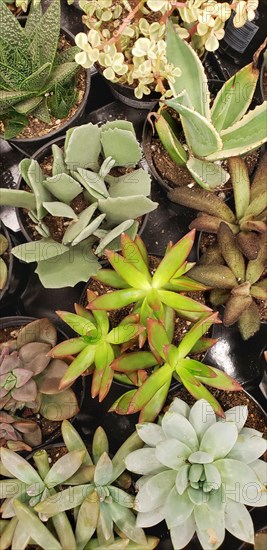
<point>151,410</point>
<point>235,305</point>
<point>259,290</point>
<point>79,324</point>
<point>69,347</point>
<point>219,296</point>
<point>26,393</point>
<point>132,253</point>
<point>231,253</point>
<point>212,256</point>
<point>204,201</point>
<point>254,225</point>
<point>173,260</point>
<point>129,362</point>
<point>34,356</point>
<point>9,362</point>
<point>22,377</point>
<point>199,391</point>
<point>220,276</point>
<point>59,407</point>
<point>256,267</point>
<point>41,330</point>
<point>249,321</point>
<point>195,333</point>
<point>209,224</point>
<point>49,381</point>
<point>248,243</point>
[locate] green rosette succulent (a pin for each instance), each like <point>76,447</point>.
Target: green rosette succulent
<point>248,218</point>
<point>111,203</point>
<point>236,282</point>
<point>28,376</point>
<point>36,79</point>
<point>97,492</point>
<point>212,133</point>
<point>151,293</point>
<point>96,347</point>
<point>198,474</point>
<point>171,362</point>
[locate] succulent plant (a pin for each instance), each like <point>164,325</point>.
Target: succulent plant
<point>23,487</point>
<point>18,434</point>
<point>150,293</point>
<point>211,133</point>
<point>3,266</point>
<point>238,283</point>
<point>199,473</point>
<point>96,347</point>
<point>247,221</point>
<point>127,39</point>
<point>175,362</point>
<point>22,4</point>
<point>33,74</point>
<point>29,378</point>
<point>78,171</point>
<point>97,492</point>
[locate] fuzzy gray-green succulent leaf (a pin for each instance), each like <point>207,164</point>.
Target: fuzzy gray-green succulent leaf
<point>83,157</point>
<point>63,187</point>
<point>117,209</point>
<point>121,145</point>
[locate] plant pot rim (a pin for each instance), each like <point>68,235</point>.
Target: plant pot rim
<point>22,320</point>
<point>262,71</point>
<point>69,123</point>
<point>10,265</point>
<point>42,152</point>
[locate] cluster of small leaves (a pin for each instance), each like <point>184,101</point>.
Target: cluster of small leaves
<point>196,472</point>
<point>211,133</point>
<point>32,70</point>
<point>127,40</point>
<point>3,265</point>
<point>30,379</point>
<point>21,4</point>
<point>108,200</point>
<point>38,497</point>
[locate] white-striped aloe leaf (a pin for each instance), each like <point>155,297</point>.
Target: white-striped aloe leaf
<point>243,136</point>
<point>201,137</point>
<point>193,77</point>
<point>207,174</point>
<point>169,139</point>
<point>234,98</point>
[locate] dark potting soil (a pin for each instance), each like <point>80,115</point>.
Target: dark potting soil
<point>37,127</point>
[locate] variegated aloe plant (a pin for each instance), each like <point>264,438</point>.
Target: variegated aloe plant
<point>97,492</point>
<point>82,169</point>
<point>211,133</point>
<point>95,347</point>
<point>175,362</point>
<point>151,293</point>
<point>247,220</point>
<point>238,284</point>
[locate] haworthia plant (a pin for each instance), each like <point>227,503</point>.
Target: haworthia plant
<point>211,133</point>
<point>236,282</point>
<point>112,203</point>
<point>36,79</point>
<point>247,220</point>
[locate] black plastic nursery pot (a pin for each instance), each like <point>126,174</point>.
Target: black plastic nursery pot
<point>73,121</point>
<point>263,80</point>
<point>78,387</point>
<point>15,278</point>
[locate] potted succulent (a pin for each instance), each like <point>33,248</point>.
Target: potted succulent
<point>94,486</point>
<point>198,474</point>
<point>82,203</point>
<point>30,396</point>
<point>205,136</point>
<point>43,93</point>
<point>127,41</point>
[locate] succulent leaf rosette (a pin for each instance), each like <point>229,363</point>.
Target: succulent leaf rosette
<point>127,39</point>
<point>212,133</point>
<point>18,434</point>
<point>199,473</point>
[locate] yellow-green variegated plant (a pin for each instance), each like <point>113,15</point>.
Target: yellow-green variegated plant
<point>212,133</point>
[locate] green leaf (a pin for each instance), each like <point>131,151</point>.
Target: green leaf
<point>69,347</point>
<point>63,272</point>
<point>154,491</point>
<point>193,77</point>
<point>63,187</point>
<point>33,18</point>
<point>204,201</point>
<point>231,253</point>
<point>195,333</point>
<point>20,468</point>
<point>158,338</point>
<point>179,302</point>
<point>17,198</point>
<point>34,82</point>
<point>201,137</point>
<point>80,364</point>
<point>74,442</point>
<point>123,333</point>
<point>60,209</point>
<point>36,251</point>
<point>66,500</point>
<point>27,106</point>
<point>117,299</point>
<point>59,166</point>
<point>100,443</point>
<point>87,520</point>
<point>137,182</point>
<point>60,75</point>
<point>219,448</point>
<point>238,521</point>
<point>111,278</point>
<point>121,145</point>
<point>132,253</point>
<point>93,182</point>
<point>9,98</point>
<point>76,228</point>
<point>48,31</point>
<point>234,98</point>
<point>42,112</point>
<point>129,362</point>
<point>149,387</point>
<point>197,389</point>
<point>35,176</point>
<point>167,136</point>
<point>207,174</point>
<point>125,520</point>
<point>241,184</point>
<point>35,528</point>
<point>64,468</point>
<point>89,230</point>
<point>118,209</point>
<point>112,238</point>
<point>173,260</point>
<point>84,157</point>
<point>128,272</point>
<point>11,30</point>
<point>243,136</point>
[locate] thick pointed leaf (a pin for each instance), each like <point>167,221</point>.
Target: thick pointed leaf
<point>195,333</point>
<point>82,362</point>
<point>129,362</point>
<point>219,277</point>
<point>183,533</point>
<point>231,253</point>
<point>144,462</point>
<point>132,253</point>
<point>111,278</point>
<point>147,390</point>
<point>128,272</point>
<point>173,260</point>
<point>198,390</point>
<point>207,174</point>
<point>235,306</point>
<point>79,324</point>
<point>117,299</point>
<point>87,520</point>
<point>152,409</point>
<point>249,321</point>
<point>176,426</point>
<point>202,200</point>
<point>258,186</point>
<point>178,508</point>
<point>155,491</point>
<point>64,468</point>
<point>222,380</point>
<point>256,267</point>
<point>241,184</point>
<point>210,526</point>
<point>69,347</point>
<point>158,337</point>
<point>35,528</point>
<point>20,468</point>
<point>219,448</point>
<point>238,521</point>
<point>167,136</point>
